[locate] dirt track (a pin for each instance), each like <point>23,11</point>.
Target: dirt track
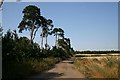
<point>63,69</point>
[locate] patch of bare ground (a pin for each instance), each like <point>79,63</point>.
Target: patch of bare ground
<point>62,70</point>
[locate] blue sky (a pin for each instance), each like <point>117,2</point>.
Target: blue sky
<point>89,25</point>
<point>62,0</point>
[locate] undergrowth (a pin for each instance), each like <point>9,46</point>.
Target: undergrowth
<point>27,67</point>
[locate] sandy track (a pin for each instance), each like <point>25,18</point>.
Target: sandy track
<point>63,69</point>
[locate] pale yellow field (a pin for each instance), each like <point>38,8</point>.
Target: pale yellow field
<point>98,67</point>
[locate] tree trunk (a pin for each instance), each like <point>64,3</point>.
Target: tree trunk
<point>31,37</point>
<point>46,44</point>
<point>56,41</point>
<point>42,40</point>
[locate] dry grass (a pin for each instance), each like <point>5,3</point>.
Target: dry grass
<point>106,67</point>
<point>14,70</point>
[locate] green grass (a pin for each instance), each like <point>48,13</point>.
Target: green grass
<point>13,70</point>
<point>106,67</point>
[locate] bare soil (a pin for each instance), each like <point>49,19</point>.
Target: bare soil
<point>64,69</point>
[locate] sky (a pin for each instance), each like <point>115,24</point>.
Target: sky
<point>89,25</point>
<point>62,0</point>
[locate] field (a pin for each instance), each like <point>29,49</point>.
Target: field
<point>102,66</point>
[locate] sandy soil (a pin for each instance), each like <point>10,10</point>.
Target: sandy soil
<point>63,69</point>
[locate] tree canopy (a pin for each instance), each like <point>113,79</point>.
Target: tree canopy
<point>31,20</point>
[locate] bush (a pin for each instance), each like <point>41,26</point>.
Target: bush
<point>19,70</point>
<point>21,58</point>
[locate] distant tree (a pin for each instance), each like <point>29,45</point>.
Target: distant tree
<point>31,21</point>
<point>60,33</point>
<point>46,26</point>
<point>65,45</point>
<point>43,26</point>
<point>68,42</point>
<point>57,32</point>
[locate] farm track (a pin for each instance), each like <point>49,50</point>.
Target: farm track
<point>62,70</point>
<point>65,70</point>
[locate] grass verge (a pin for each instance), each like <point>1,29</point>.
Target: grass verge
<point>19,70</point>
<point>106,67</point>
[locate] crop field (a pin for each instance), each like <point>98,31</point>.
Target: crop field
<point>105,66</point>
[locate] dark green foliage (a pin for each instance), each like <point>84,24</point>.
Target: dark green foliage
<point>8,43</point>
<point>1,31</point>
<point>31,21</point>
<point>97,52</point>
<point>19,70</point>
<point>57,32</point>
<point>15,49</point>
<point>31,17</point>
<point>46,25</point>
<point>58,52</point>
<point>65,45</point>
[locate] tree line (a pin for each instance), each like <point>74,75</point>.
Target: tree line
<point>15,47</point>
<point>97,52</point>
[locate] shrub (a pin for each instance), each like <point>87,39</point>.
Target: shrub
<point>18,70</point>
